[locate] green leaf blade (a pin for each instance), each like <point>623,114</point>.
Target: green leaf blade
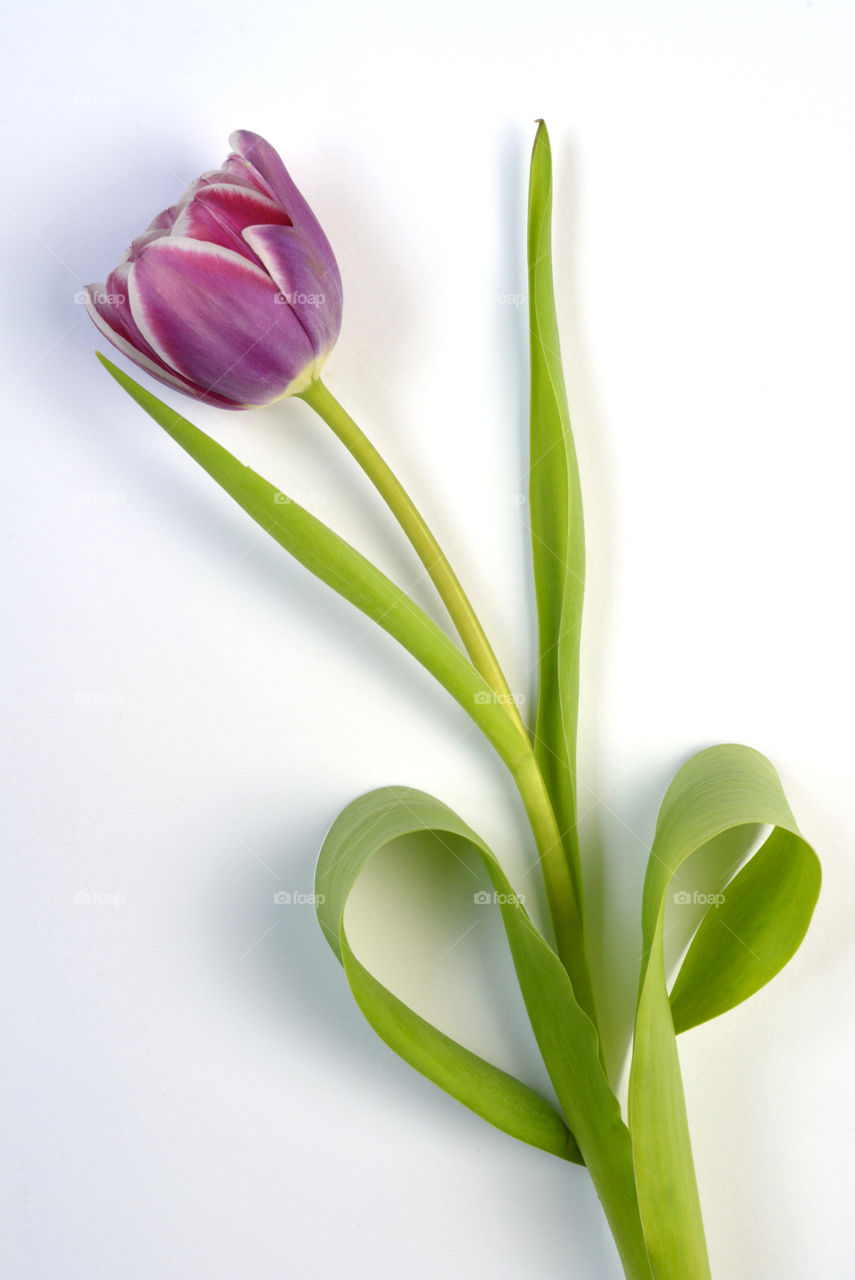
<point>741,944</point>
<point>364,827</point>
<point>565,1035</point>
<point>723,789</point>
<point>558,541</point>
<point>341,567</point>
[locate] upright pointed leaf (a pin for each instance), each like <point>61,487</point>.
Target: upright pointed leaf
<point>558,543</point>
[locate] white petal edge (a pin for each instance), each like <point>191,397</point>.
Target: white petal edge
<point>137,357</point>
<point>183,244</point>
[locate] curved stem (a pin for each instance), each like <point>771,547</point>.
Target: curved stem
<point>422,539</point>
<point>563,895</point>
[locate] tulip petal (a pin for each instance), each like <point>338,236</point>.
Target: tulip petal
<point>236,176</point>
<point>219,212</point>
<point>116,298</point>
<point>144,238</point>
<point>235,170</point>
<point>266,162</point>
<point>163,221</point>
<point>225,318</point>
<point>215,318</point>
<point>315,299</point>
<point>110,325</point>
<point>114,307</point>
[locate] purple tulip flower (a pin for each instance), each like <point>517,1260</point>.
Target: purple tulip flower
<point>233,295</point>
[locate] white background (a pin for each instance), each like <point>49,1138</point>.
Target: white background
<point>190,1091</point>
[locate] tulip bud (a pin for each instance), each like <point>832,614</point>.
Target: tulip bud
<point>233,295</point>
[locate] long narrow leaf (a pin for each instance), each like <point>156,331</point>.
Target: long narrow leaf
<point>339,565</point>
<point>558,540</point>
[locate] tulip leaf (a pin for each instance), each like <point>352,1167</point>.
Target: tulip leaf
<point>365,827</point>
<point>739,945</point>
<point>341,567</point>
<point>558,539</point>
<point>564,1033</point>
<point>748,937</point>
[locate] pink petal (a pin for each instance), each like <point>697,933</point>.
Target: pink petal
<point>267,163</point>
<point>214,317</point>
<point>314,297</point>
<point>219,212</point>
<point>105,321</point>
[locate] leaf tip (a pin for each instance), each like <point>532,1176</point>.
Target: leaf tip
<point>107,364</point>
<point>541,137</point>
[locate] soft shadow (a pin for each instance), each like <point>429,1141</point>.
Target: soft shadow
<point>298,986</point>
<point>293,982</point>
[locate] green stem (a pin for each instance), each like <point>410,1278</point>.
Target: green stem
<point>607,1152</point>
<point>562,893</point>
<point>566,917</point>
<point>422,539</point>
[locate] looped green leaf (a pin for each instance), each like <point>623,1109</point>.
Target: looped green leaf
<point>744,940</point>
<point>565,1035</point>
<point>741,943</point>
<point>360,831</point>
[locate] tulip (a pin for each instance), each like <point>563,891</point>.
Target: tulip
<point>232,295</point>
